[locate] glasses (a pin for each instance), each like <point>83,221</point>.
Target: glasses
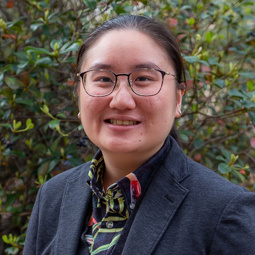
<point>142,81</point>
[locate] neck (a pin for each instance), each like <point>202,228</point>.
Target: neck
<point>118,166</point>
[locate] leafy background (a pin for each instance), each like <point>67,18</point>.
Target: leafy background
<point>40,135</point>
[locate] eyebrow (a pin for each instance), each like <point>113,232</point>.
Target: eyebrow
<point>100,66</point>
<point>110,67</point>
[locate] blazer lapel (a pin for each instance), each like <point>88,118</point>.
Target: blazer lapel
<point>161,201</point>
<point>73,211</point>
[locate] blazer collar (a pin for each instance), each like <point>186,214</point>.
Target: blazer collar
<point>76,201</point>
<point>162,200</point>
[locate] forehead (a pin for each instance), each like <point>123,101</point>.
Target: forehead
<point>125,47</point>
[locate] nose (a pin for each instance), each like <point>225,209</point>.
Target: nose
<point>122,96</point>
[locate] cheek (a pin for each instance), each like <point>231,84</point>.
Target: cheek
<point>91,109</point>
<point>164,104</point>
<point>164,111</point>
<point>85,107</point>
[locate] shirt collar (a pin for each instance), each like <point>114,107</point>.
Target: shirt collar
<point>134,183</point>
<point>96,173</point>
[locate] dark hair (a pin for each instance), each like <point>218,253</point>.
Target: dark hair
<point>160,33</point>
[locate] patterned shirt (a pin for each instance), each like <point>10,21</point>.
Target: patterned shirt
<point>111,209</point>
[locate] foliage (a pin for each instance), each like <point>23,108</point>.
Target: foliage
<point>39,129</point>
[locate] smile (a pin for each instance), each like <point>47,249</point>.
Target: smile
<point>122,122</point>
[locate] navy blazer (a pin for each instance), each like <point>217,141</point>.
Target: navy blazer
<point>187,209</point>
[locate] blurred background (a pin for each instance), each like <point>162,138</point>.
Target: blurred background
<point>40,134</point>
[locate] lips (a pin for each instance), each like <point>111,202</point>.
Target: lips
<point>122,122</point>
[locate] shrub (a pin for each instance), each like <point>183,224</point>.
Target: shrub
<point>40,135</point>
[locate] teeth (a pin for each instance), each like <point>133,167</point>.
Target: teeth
<point>123,122</point>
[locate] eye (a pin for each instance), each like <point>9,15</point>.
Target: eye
<point>104,79</point>
<point>143,79</point>
<point>101,77</point>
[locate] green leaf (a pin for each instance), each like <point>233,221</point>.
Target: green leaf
<point>11,250</point>
<point>55,144</point>
<point>186,7</point>
<point>1,78</point>
<point>197,142</point>
<point>43,168</point>
<point>20,154</point>
<point>239,175</point>
<point>28,102</point>
<point>38,50</point>
<point>250,85</point>
<point>75,162</point>
<point>44,61</point>
<point>5,239</point>
<point>52,15</point>
<point>227,154</point>
<point>54,123</point>
<point>249,105</point>
<point>11,198</point>
<point>219,83</point>
<point>7,125</point>
<point>238,103</point>
<point>209,36</point>
<point>12,83</point>
<point>224,168</point>
<point>61,115</point>
<point>45,108</point>
<point>236,93</point>
<point>190,21</point>
<point>7,114</point>
<point>71,46</point>
<point>35,26</point>
<point>53,164</point>
<point>22,65</point>
<point>54,41</point>
<point>21,54</point>
<point>184,137</point>
<point>252,117</point>
<point>249,75</point>
<point>91,4</point>
<point>29,124</point>
<point>16,125</point>
<point>191,59</point>
<point>214,61</point>
<point>221,159</point>
<point>204,62</point>
<point>119,9</point>
<point>15,25</point>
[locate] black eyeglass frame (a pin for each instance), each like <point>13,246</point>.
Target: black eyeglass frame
<point>163,73</point>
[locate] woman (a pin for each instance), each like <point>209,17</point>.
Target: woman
<point>140,194</point>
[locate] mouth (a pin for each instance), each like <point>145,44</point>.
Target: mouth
<point>122,122</point>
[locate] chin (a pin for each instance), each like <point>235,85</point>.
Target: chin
<point>122,146</point>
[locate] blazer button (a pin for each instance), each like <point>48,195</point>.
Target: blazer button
<point>132,206</point>
<point>109,224</point>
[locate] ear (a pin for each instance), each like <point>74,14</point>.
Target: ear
<point>179,95</point>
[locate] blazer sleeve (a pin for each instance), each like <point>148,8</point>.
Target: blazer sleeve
<point>32,231</point>
<point>235,231</point>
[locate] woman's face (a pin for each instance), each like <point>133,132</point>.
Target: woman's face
<point>124,122</point>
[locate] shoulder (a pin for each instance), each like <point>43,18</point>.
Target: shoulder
<point>196,177</point>
<point>53,192</point>
<point>207,179</point>
<point>56,185</point>
<point>222,211</point>
<point>73,173</point>
<point>207,191</point>
<point>52,196</point>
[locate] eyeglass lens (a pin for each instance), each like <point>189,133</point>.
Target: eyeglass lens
<point>142,81</point>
